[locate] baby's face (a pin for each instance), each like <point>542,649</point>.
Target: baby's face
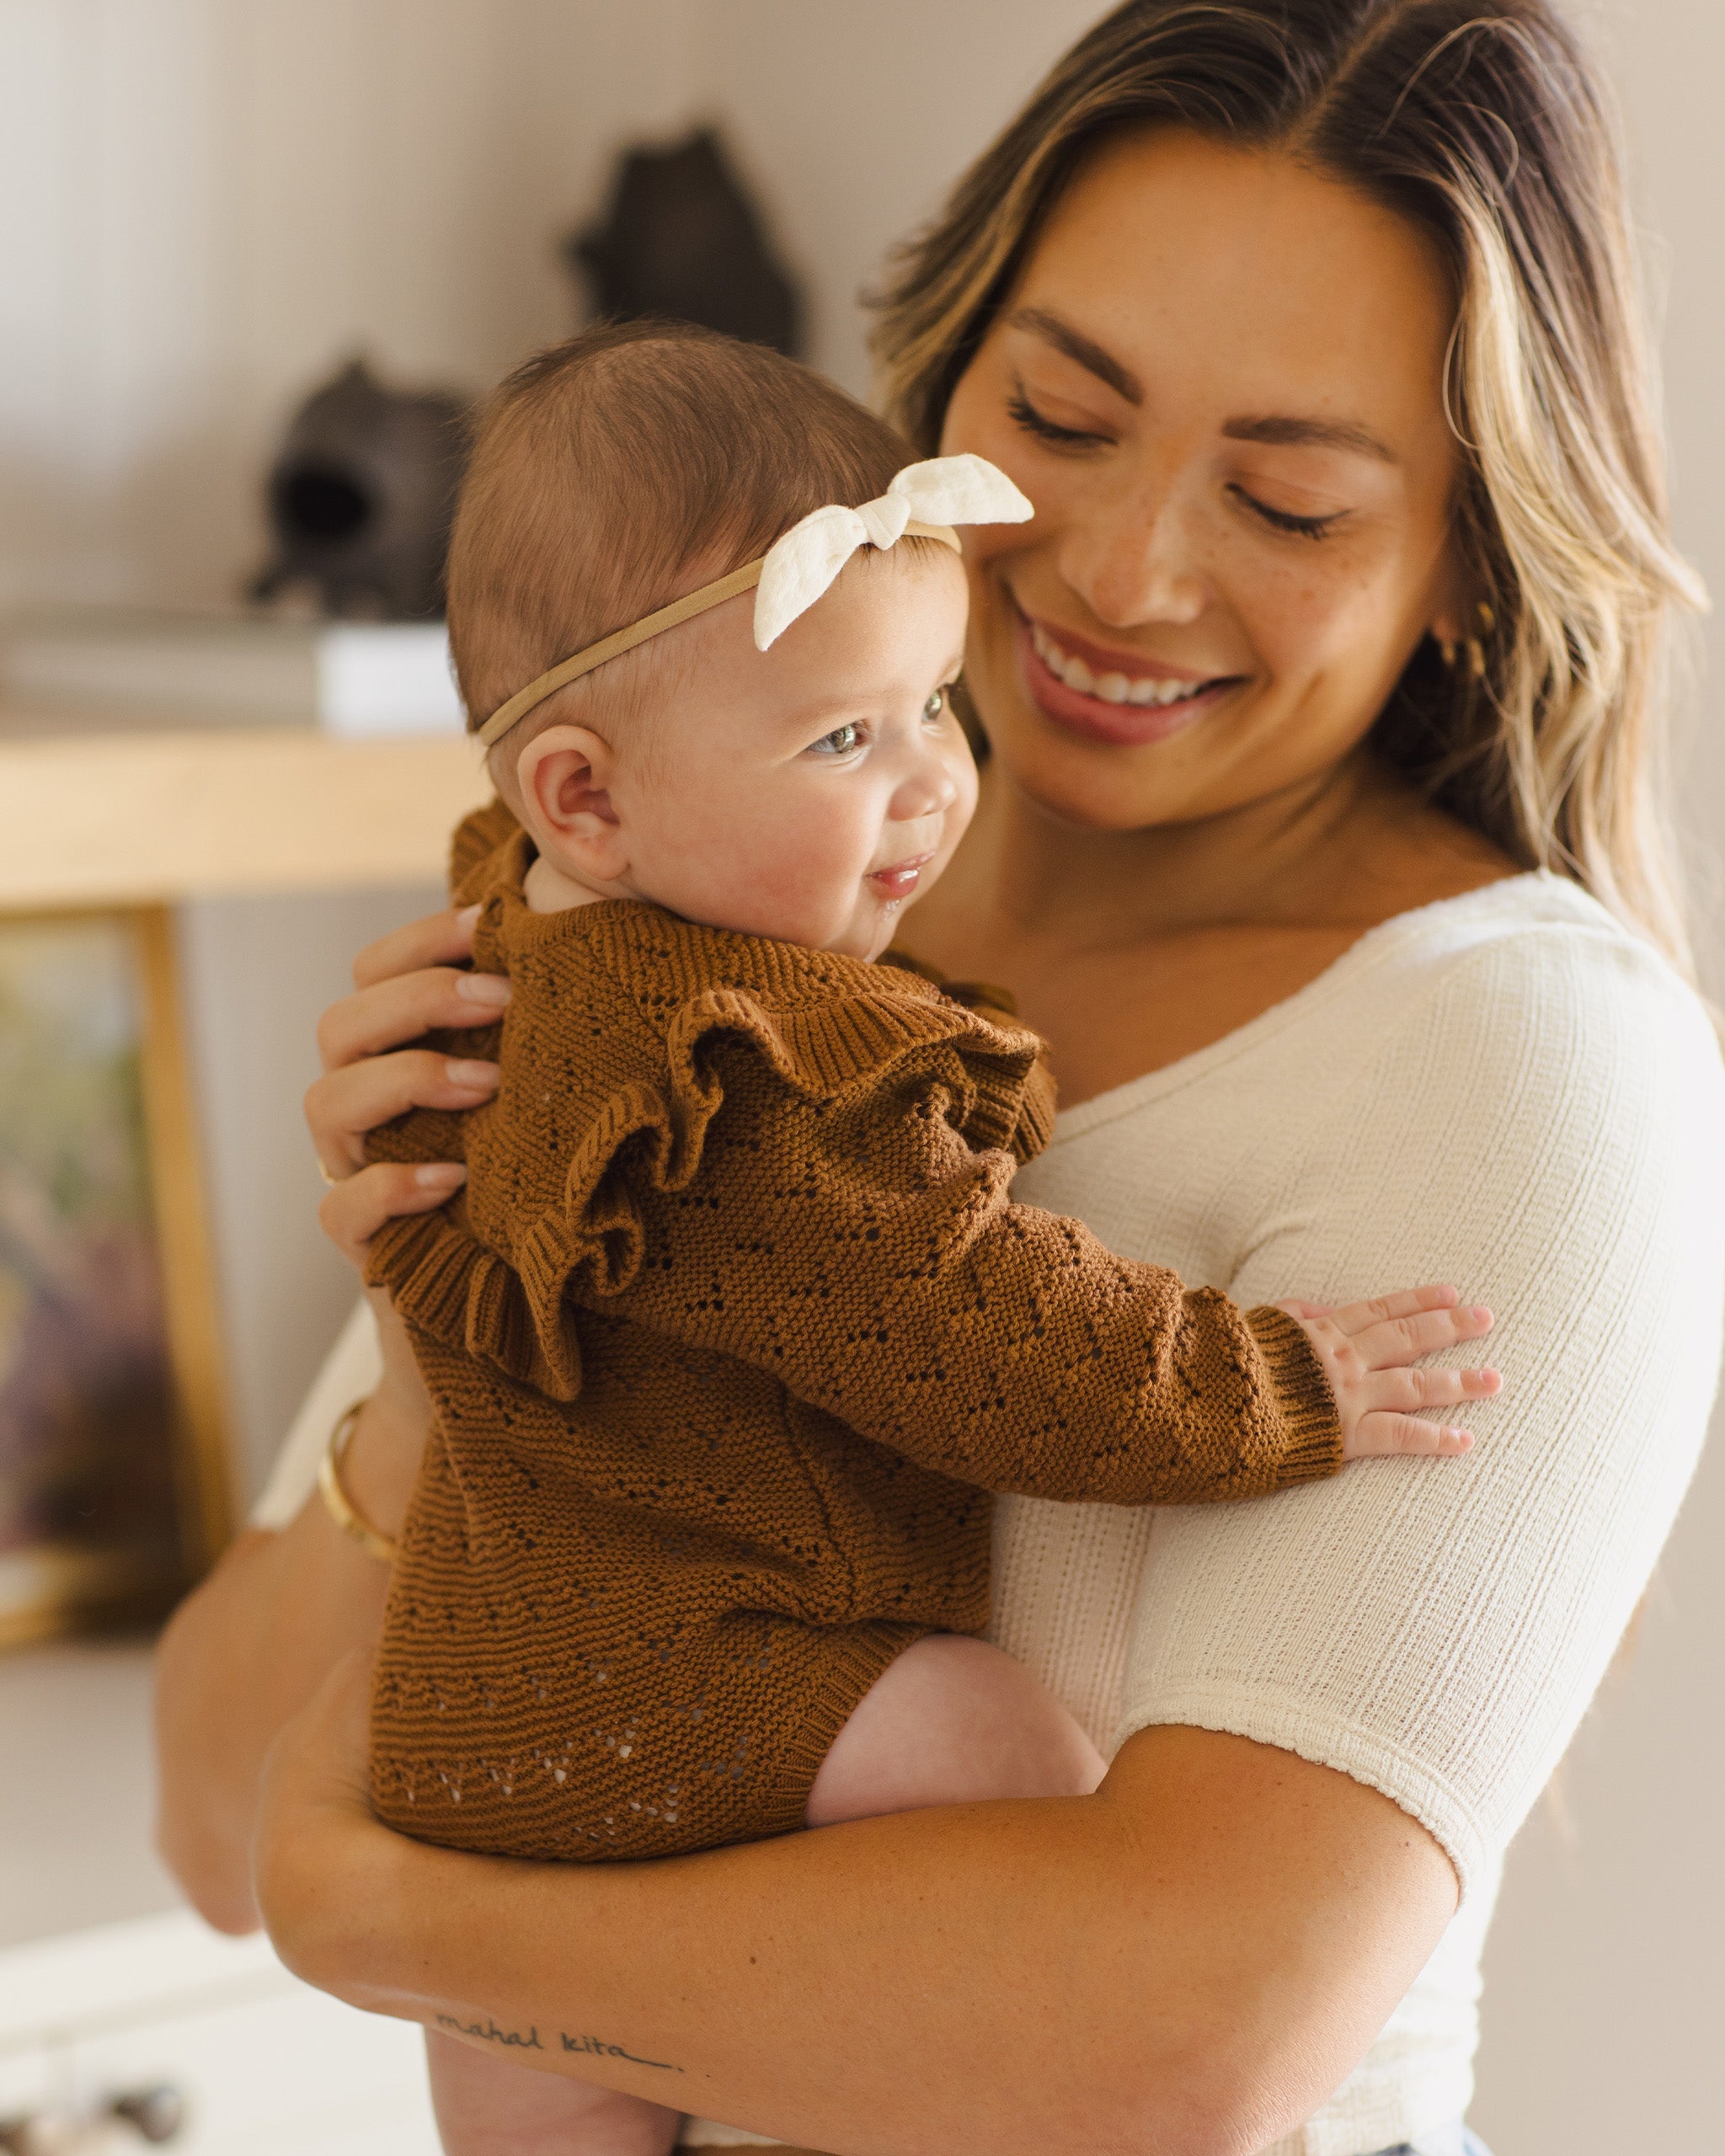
<point>807,792</point>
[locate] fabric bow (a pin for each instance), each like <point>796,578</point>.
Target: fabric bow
<point>935,494</point>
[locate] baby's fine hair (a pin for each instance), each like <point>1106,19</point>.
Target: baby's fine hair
<point>611,474</point>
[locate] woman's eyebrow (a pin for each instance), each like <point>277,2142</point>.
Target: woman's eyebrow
<point>1084,350</point>
<point>1288,433</point>
<point>1311,433</point>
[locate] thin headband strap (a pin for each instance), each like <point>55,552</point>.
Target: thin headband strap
<point>652,625</point>
<point>613,647</point>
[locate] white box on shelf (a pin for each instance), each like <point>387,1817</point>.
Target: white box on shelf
<point>357,679</point>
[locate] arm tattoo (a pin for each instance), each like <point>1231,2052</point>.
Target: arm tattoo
<point>488,2033</point>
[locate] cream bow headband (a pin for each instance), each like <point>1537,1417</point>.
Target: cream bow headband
<point>923,502</point>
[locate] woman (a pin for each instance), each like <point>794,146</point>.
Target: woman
<point>1321,697</point>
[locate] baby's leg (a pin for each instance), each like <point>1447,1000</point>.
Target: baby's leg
<point>489,2106</point>
<point>953,1721</point>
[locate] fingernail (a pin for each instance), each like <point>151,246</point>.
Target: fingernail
<point>472,1077</point>
<point>440,1175</point>
<point>467,917</point>
<point>1480,1314</point>
<point>491,989</point>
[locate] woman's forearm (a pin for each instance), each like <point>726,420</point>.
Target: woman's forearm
<point>1187,1963</point>
<point>240,1658</point>
<point>248,1649</point>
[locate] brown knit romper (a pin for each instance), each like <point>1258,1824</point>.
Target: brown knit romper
<point>727,1335</point>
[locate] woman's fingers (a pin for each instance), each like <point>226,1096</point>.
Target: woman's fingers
<point>357,1207</point>
<point>435,939</point>
<point>1388,1342</point>
<point>374,1020</point>
<point>1402,1437</point>
<point>342,1106</point>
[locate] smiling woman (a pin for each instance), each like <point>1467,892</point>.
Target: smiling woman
<point>1318,837</point>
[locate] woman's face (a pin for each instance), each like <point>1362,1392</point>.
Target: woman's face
<point>1219,379</point>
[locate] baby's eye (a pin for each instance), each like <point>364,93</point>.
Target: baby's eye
<point>936,705</point>
<point>839,743</point>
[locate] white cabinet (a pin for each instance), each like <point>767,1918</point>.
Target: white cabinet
<point>261,2065</point>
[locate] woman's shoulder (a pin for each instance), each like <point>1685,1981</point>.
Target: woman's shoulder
<point>1520,967</point>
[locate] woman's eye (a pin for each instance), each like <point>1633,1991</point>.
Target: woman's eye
<point>1024,415</point>
<point>1281,519</point>
<point>839,743</point>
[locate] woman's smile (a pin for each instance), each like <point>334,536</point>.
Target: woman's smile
<point>1125,698</point>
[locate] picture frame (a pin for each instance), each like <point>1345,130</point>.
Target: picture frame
<point>116,1476</point>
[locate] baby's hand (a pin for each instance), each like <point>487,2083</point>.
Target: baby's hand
<point>1366,1350</point>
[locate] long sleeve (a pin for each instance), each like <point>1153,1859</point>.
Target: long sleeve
<point>804,1163</point>
<point>862,1253</point>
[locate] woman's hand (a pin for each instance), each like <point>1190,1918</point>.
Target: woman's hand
<point>316,1842</point>
<point>405,985</point>
<point>1368,1349</point>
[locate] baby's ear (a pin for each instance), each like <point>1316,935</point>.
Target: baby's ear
<point>563,778</point>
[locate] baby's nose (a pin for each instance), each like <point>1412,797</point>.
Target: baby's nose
<point>928,790</point>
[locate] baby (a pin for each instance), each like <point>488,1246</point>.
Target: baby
<point>734,1324</point>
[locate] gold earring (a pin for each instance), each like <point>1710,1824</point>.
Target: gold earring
<point>1476,658</point>
<point>1488,620</point>
<point>1446,651</point>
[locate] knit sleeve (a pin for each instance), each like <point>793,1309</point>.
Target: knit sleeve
<point>881,1271</point>
<point>819,1187</point>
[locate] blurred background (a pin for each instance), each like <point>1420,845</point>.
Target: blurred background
<point>209,209</point>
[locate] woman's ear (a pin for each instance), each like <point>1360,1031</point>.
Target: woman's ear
<point>1453,619</point>
<point>564,776</point>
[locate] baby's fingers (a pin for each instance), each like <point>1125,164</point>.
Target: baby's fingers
<point>1403,1390</point>
<point>1404,1437</point>
<point>1358,1317</point>
<point>1393,1341</point>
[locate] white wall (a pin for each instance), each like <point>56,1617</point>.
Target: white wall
<point>1604,1999</point>
<point>204,204</point>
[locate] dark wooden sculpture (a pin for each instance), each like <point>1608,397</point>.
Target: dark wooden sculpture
<point>361,498</point>
<point>682,240</point>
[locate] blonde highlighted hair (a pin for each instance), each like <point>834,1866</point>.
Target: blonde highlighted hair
<point>1486,126</point>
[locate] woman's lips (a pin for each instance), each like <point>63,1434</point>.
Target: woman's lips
<point>1123,719</point>
<point>898,881</point>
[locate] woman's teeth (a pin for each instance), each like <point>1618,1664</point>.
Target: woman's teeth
<point>1111,688</point>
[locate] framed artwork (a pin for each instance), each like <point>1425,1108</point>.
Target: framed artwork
<point>114,1480</point>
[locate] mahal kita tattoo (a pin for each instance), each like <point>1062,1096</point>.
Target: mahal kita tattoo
<point>488,2033</point>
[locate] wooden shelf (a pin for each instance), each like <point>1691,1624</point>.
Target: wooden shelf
<point>138,814</point>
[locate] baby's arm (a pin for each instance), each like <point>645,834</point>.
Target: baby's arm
<point>862,1253</point>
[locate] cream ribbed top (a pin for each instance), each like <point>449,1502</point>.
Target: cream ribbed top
<point>1507,1091</point>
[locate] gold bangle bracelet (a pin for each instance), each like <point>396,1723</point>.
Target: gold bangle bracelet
<point>337,1503</point>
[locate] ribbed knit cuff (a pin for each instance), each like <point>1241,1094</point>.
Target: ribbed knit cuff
<point>855,1658</point>
<point>1311,1429</point>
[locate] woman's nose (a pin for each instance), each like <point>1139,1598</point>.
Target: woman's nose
<point>1133,559</point>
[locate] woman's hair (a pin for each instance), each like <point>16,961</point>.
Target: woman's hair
<point>1488,128</point>
<point>612,472</point>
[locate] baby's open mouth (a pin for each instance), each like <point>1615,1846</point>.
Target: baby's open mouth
<point>898,881</point>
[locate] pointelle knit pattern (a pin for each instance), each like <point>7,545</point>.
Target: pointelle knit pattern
<point>729,1333</point>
